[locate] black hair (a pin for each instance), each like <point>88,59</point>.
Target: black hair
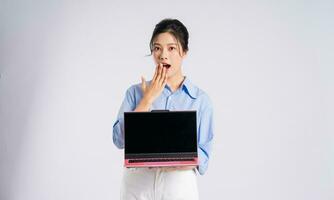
<point>174,27</point>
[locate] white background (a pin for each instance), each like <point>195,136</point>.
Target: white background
<point>267,66</point>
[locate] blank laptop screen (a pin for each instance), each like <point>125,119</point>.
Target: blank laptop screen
<point>160,132</point>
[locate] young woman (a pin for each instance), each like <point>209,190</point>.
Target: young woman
<point>169,89</point>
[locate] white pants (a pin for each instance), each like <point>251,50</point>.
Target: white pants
<point>159,184</point>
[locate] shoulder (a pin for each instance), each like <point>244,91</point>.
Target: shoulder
<point>201,95</point>
<point>202,98</point>
<point>134,88</point>
<point>134,92</point>
<point>205,100</point>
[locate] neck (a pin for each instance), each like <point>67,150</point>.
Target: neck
<point>175,82</point>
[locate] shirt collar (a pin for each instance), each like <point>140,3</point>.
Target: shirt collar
<point>189,88</point>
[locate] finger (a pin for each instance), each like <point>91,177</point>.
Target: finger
<point>159,72</point>
<point>169,169</point>
<point>165,79</point>
<point>163,75</point>
<point>155,73</point>
<point>143,83</point>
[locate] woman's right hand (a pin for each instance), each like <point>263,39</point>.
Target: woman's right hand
<point>153,90</point>
<point>159,80</point>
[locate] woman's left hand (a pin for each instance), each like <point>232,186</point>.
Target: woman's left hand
<point>168,169</point>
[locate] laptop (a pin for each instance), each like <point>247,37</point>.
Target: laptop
<point>160,138</point>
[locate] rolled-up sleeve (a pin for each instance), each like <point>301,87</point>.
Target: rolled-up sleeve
<point>127,105</point>
<point>205,137</point>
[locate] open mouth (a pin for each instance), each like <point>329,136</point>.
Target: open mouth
<point>166,65</point>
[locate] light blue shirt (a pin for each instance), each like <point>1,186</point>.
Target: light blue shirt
<point>187,97</point>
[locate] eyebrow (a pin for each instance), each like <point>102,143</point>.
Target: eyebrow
<point>167,44</point>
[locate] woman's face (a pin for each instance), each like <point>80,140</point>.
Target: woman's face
<point>168,51</point>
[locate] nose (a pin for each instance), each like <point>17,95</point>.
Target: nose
<point>163,55</point>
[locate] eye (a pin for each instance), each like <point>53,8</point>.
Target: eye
<point>156,48</point>
<point>172,48</point>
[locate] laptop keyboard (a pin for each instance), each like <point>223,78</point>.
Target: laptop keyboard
<point>160,160</point>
